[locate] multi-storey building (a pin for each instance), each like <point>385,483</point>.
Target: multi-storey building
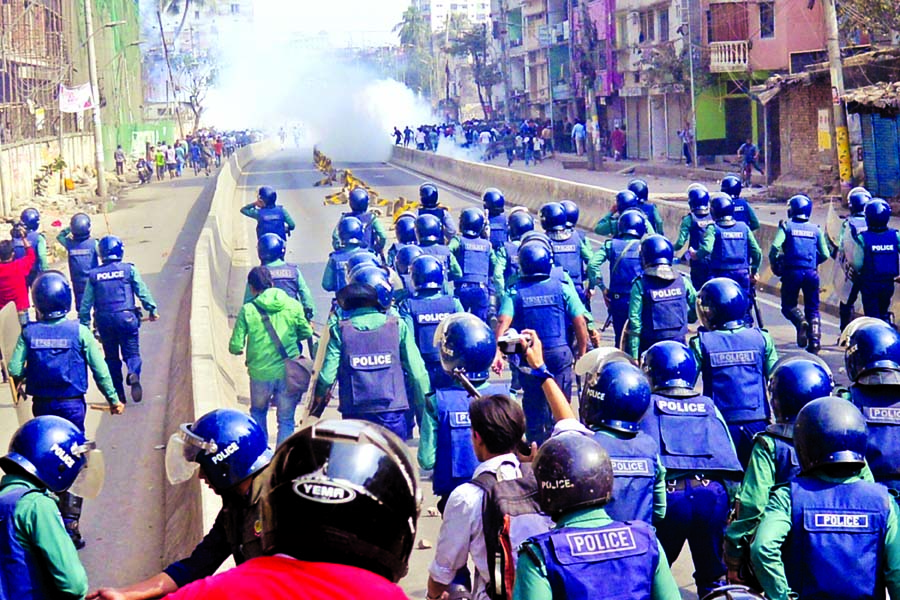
<point>438,12</point>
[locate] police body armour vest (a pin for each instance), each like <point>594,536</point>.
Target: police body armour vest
<point>427,312</point>
<point>880,405</point>
<point>366,218</point>
<point>112,287</point>
<point>801,244</point>
<point>880,258</point>
<point>270,219</point>
<point>339,259</point>
<point>787,465</point>
<point>82,258</point>
<point>857,224</point>
<point>634,475</point>
<point>512,260</point>
<point>624,270</point>
<point>732,248</point>
<point>539,305</point>
<point>440,252</point>
<point>21,578</point>
<point>439,212</point>
<point>370,375</point>
<point>499,233</point>
<point>615,561</point>
<point>567,254</point>
<point>697,230</point>
<point>665,310</point>
<point>837,529</point>
<point>54,365</point>
<point>733,374</point>
<point>741,211</point>
<point>455,459</point>
<point>474,260</point>
<point>285,278</point>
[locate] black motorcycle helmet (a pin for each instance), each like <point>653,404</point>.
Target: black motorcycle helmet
<point>832,432</point>
<point>573,471</point>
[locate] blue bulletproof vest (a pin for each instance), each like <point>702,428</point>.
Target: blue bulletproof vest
<point>18,248</point>
<point>394,250</point>
<point>270,219</point>
<point>787,465</point>
<point>731,251</point>
<point>624,270</point>
<point>339,259</point>
<point>427,312</point>
<point>474,260</point>
<point>55,367</point>
<point>697,230</point>
<point>82,259</point>
<point>880,258</point>
<point>455,459</point>
<point>512,260</point>
<point>837,529</point>
<point>691,437</point>
<point>442,253</point>
<point>880,405</point>
<point>499,233</point>
<point>440,212</point>
<point>649,211</point>
<point>741,211</point>
<point>634,475</point>
<point>617,560</point>
<point>801,242</point>
<point>112,287</point>
<point>285,278</point>
<point>665,310</point>
<point>567,254</point>
<point>539,305</point>
<point>857,224</point>
<point>734,362</point>
<point>21,578</point>
<point>366,218</point>
<point>370,374</point>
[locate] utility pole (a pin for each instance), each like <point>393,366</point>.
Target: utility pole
<point>503,31</point>
<point>162,36</point>
<point>587,79</point>
<point>842,134</point>
<point>95,89</point>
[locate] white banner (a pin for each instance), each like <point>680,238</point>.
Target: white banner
<point>76,99</point>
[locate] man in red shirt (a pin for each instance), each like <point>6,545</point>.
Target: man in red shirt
<point>339,508</point>
<point>219,148</point>
<point>13,272</point>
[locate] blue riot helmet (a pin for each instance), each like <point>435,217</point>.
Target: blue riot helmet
<point>518,224</point>
<point>359,200</point>
<point>428,229</point>
<point>537,237</point>
<point>405,228</point>
<point>830,431</point>
<point>873,352</point>
<point>227,444</point>
<point>794,382</point>
<point>698,199</point>
<point>722,207</point>
<point>110,249</point>
<point>640,189</point>
<point>722,304</point>
<point>535,260</point>
<point>428,195</point>
<point>31,218</point>
<point>359,260</point>
<point>626,199</point>
<point>617,397</point>
<point>350,231</point>
<point>406,257</point>
<point>49,449</point>
<point>656,251</point>
<point>572,213</point>
<point>878,213</point>
<point>799,207</point>
<point>467,344</point>
<point>573,471</point>
<point>267,195</point>
<point>270,247</point>
<point>426,273</point>
<point>553,217</point>
<point>857,199</point>
<point>671,368</point>
<point>375,278</point>
<point>471,222</point>
<point>80,226</point>
<point>493,201</point>
<point>632,222</point>
<point>52,295</point>
<point>732,186</point>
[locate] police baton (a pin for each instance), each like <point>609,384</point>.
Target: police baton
<point>460,376</point>
<point>606,323</point>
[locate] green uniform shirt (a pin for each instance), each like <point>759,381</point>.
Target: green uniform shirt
<point>709,243</point>
<point>329,275</point>
<point>594,272</point>
<point>306,298</point>
<point>93,356</point>
<point>380,237</point>
<point>771,353</point>
<point>636,310</point>
<point>684,232</point>
<point>609,225</point>
<point>531,570</point>
<point>138,286</point>
<point>428,430</point>
<point>773,530</point>
<point>252,211</point>
<point>40,252</point>
<point>656,219</point>
<point>63,238</point>
<point>40,531</point>
<point>752,220</point>
<point>822,251</point>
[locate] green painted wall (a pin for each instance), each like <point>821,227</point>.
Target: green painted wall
<point>710,114</point>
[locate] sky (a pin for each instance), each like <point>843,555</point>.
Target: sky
<point>360,22</point>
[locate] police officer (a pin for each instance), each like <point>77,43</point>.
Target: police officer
<point>877,266</point>
<point>693,229</point>
<point>286,276</point>
<point>270,217</point>
<point>430,239</point>
<point>829,534</point>
<point>743,212</point>
<point>735,361</point>
<point>475,257</point>
<point>640,189</point>
<point>230,451</point>
<point>699,458</point>
<point>372,354</point>
<point>773,462</point>
<point>623,253</point>
<point>428,198</point>
<point>82,251</point>
<point>518,224</point>
<point>609,224</point>
<point>587,554</point>
<point>543,303</point>
<point>350,233</point>
<point>569,249</point>
<point>46,456</point>
<point>798,248</point>
<point>405,232</point>
<point>494,203</point>
<point>851,227</point>
<point>662,300</point>
<point>31,219</point>
<point>110,292</point>
<point>730,247</point>
<point>374,237</point>
<point>403,267</point>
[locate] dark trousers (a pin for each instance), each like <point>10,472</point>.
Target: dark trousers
<point>119,336</point>
<point>792,282</point>
<point>475,299</point>
<point>696,512</point>
<point>538,420</point>
<point>742,435</point>
<point>876,298</point>
<point>846,309</point>
<point>699,273</point>
<point>393,420</point>
<point>72,409</point>
<point>618,308</point>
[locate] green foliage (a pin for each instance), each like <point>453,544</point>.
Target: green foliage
<point>878,18</point>
<point>472,43</point>
<point>415,41</point>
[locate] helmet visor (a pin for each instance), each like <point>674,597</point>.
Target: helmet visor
<point>592,362</point>
<point>854,326</point>
<point>181,454</point>
<point>90,479</point>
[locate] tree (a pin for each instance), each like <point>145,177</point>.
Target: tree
<point>879,18</point>
<point>174,7</point>
<point>472,42</point>
<point>414,32</point>
<point>194,76</point>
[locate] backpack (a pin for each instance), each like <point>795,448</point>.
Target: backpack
<point>510,515</point>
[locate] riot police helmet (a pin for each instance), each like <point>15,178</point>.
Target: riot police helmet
<point>733,592</point>
<point>732,185</point>
<point>671,369</point>
<point>878,213</point>
<point>405,258</point>
<point>358,259</point>
<point>626,199</point>
<point>872,356</point>
<point>426,273</point>
<point>698,199</point>
<point>553,217</point>
<point>830,431</point>
<point>799,208</point>
<point>80,226</point>
<point>657,257</point>
<point>722,304</point>
<point>640,189</point>
<point>518,224</point>
<point>372,277</point>
<point>632,222</point>
<point>537,237</point>
<point>795,381</point>
<point>428,229</point>
<point>721,206</point>
<point>467,345</point>
<point>857,199</point>
<point>471,222</point>
<point>52,295</point>
<point>270,247</point>
<point>267,195</point>
<point>616,398</point>
<point>359,200</point>
<point>428,195</point>
<point>573,471</point>
<point>535,261</point>
<point>572,213</point>
<point>493,201</point>
<point>350,231</point>
<point>110,248</point>
<point>31,219</point>
<point>405,228</point>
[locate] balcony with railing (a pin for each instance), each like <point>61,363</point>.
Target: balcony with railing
<point>729,57</point>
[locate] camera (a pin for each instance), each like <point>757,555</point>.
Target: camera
<point>513,342</point>
<point>18,230</point>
